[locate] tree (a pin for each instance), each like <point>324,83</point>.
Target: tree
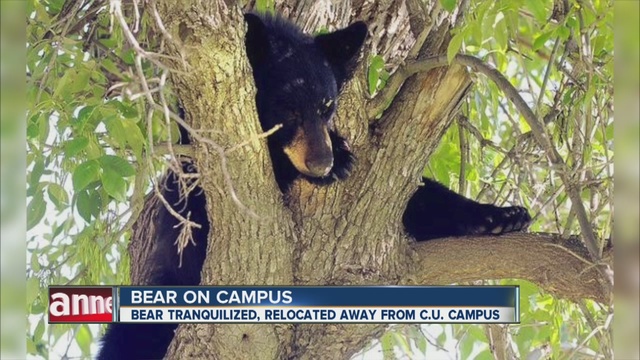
<point>102,81</point>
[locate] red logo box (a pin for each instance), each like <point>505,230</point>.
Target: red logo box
<point>80,304</point>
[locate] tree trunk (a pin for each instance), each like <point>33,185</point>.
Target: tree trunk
<point>345,234</point>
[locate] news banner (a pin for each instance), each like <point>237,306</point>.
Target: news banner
<point>285,304</point>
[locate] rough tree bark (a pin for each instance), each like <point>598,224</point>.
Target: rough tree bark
<point>348,233</point>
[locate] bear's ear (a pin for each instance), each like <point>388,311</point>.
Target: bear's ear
<point>256,40</point>
<point>341,46</point>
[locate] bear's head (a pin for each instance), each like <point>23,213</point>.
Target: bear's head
<point>298,80</point>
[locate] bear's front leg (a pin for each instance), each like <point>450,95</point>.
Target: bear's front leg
<point>436,212</point>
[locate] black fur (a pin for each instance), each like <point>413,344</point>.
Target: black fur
<point>296,76</point>
<point>436,212</point>
<point>298,80</point>
<point>150,341</point>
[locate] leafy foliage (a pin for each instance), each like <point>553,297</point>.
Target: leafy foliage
<point>85,152</point>
<point>93,147</point>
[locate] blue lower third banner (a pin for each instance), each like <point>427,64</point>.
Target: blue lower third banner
<point>321,304</point>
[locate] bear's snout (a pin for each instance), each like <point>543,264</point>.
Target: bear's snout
<point>310,150</point>
<point>319,167</point>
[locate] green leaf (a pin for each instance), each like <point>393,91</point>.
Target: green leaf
<point>58,195</point>
<point>524,338</point>
<point>75,145</point>
<point>134,136</point>
<point>477,333</point>
<point>466,347</point>
<point>564,32</point>
<point>93,149</point>
<point>500,32</point>
<point>35,210</point>
<point>128,56</point>
<point>31,347</point>
<point>84,339</point>
<point>441,339</point>
<point>128,110</point>
<point>80,81</point>
<point>265,6</point>
<point>36,173</point>
<point>421,344</point>
<point>485,355</point>
<point>414,333</point>
<point>33,289</point>
<point>85,174</point>
<point>609,131</point>
<point>454,46</point>
<point>108,64</point>
<point>537,9</point>
<point>32,131</point>
<point>158,129</point>
<point>55,6</point>
<point>58,229</point>
<point>56,331</point>
<point>43,128</point>
<point>34,263</point>
<point>38,308</point>
<point>114,185</point>
<point>376,66</point>
<point>33,125</point>
<point>387,342</point>
<point>86,203</point>
<point>85,114</point>
<point>63,85</point>
<point>39,331</point>
<point>116,131</point>
<point>539,42</point>
<point>31,7</point>
<point>175,132</point>
<point>117,164</point>
<point>402,343</point>
<point>448,5</point>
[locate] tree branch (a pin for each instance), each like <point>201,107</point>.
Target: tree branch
<point>537,128</point>
<point>557,265</point>
<point>380,102</point>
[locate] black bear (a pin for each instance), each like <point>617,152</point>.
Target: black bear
<point>298,79</point>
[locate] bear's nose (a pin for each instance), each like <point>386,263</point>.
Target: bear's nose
<point>319,167</point>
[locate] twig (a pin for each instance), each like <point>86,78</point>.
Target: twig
<point>115,9</point>
<point>253,138</point>
<point>547,73</point>
<point>464,155</point>
<point>136,19</point>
